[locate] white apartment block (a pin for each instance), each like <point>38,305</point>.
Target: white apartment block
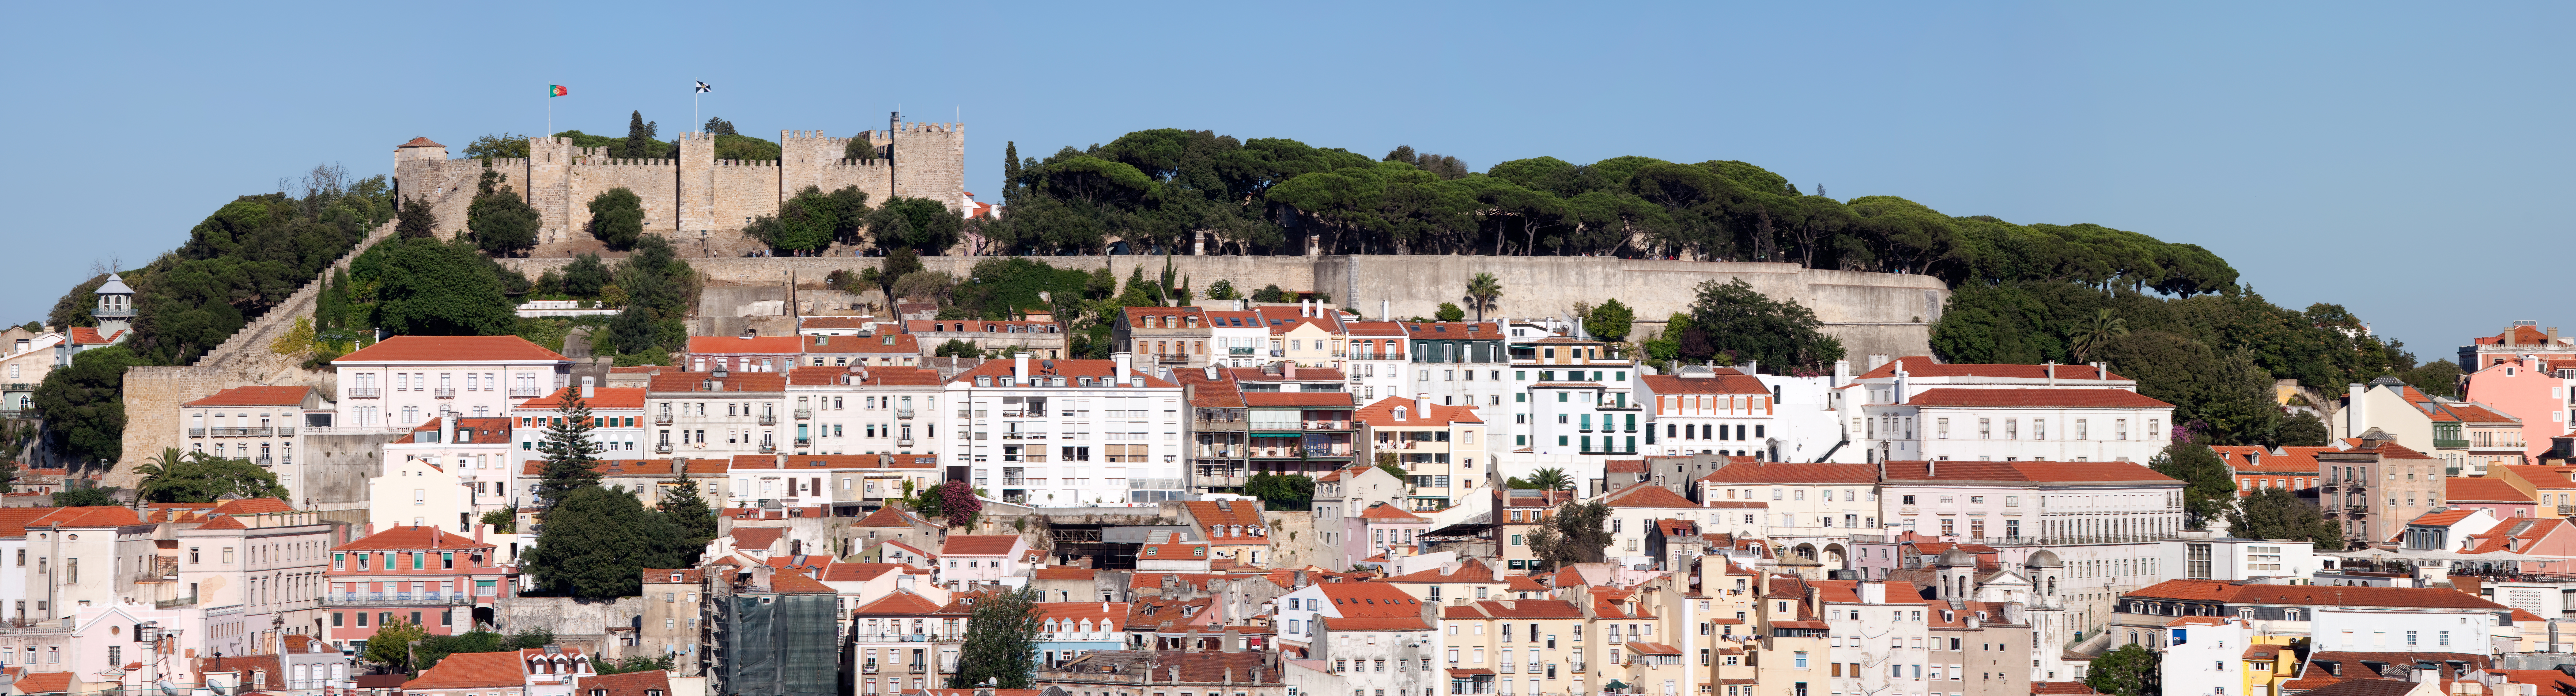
<point>1913,409</point>
<point>865,410</point>
<point>1068,433</point>
<point>717,414</point>
<point>259,424</point>
<point>404,381</point>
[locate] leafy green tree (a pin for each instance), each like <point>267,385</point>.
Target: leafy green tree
<point>958,348</point>
<point>585,276</point>
<point>859,148</point>
<point>1271,293</point>
<point>632,663</point>
<point>688,511</point>
<point>1222,290</point>
<point>2436,378</point>
<point>1734,319</point>
<point>1393,466</point>
<point>417,221</point>
<point>2095,331</point>
<point>1575,533</point>
<point>2208,488</point>
<point>655,279</point>
<point>497,146</point>
<point>595,542</point>
<point>2278,513</point>
<point>1611,321</point>
<point>430,650</point>
<point>2303,429</point>
<point>632,332</point>
<point>391,645</point>
<point>2229,393</point>
<point>1484,292</point>
<point>1001,642</point>
<point>2131,670</point>
<point>571,457</point>
<point>617,217</point>
<point>1281,492</point>
<point>503,223</point>
<point>203,478</point>
<point>503,521</point>
<point>923,225</point>
<point>812,220</point>
<point>1449,312</point>
<point>426,288</point>
<point>82,404</point>
<point>83,497</point>
<point>718,126</point>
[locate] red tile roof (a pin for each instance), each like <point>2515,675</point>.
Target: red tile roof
<point>419,142</point>
<point>86,336</point>
<point>1924,366</point>
<point>1408,623</point>
<point>1388,513</point>
<point>1066,573</point>
<point>472,671</point>
<point>757,538</point>
<point>2476,413</point>
<point>1624,466</point>
<point>600,398</point>
<point>2039,472</point>
<point>881,376</point>
<point>403,538</point>
<point>732,382</point>
<point>978,545</point>
<point>1382,414</point>
<point>1648,495</point>
<point>891,517</point>
<point>99,516</point>
<point>2482,489</point>
<point>43,683</point>
<point>2035,398</point>
<point>252,506</point>
<point>891,343</point>
<point>651,681</point>
<point>255,396</point>
<point>451,349</point>
<point>1072,370</point>
<point>468,431</point>
<point>1210,392</point>
<point>1728,382</point>
<point>2315,595</point>
<point>1297,399</point>
<point>2065,688</point>
<point>1736,471</point>
<point>1370,600</point>
<point>13,521</point>
<point>745,345</point>
<point>834,322</point>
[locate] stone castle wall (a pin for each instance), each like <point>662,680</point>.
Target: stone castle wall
<point>1870,312</point>
<point>693,192</point>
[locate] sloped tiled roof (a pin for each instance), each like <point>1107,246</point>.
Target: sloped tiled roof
<point>1924,366</point>
<point>1370,600</point>
<point>1070,369</point>
<point>1793,472</point>
<point>2482,489</point>
<point>897,603</point>
<point>99,516</point>
<point>757,538</point>
<point>404,538</point>
<point>668,382</point>
<point>907,344</point>
<point>255,396</point>
<point>1416,414</point>
<point>2444,518</point>
<point>2035,398</point>
<point>1409,623</point>
<point>1648,495</point>
<point>451,349</point>
<point>86,336</point>
<point>43,683</point>
<point>420,142</point>
<point>472,671</point>
<point>742,345</point>
<point>1730,382</point>
<point>644,683</point>
<point>1388,513</point>
<point>2040,472</point>
<point>252,506</point>
<point>600,398</point>
<point>978,545</point>
<point>878,376</point>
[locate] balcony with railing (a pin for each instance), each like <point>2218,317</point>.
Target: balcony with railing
<point>2439,443</point>
<point>527,392</point>
<point>804,413</point>
<point>903,442</point>
<point>395,599</point>
<point>1172,358</point>
<point>364,392</point>
<point>662,447</point>
<point>801,441</point>
<point>263,460</point>
<point>768,419</point>
<point>663,419</point>
<point>445,393</point>
<point>242,432</point>
<point>767,447</point>
<point>196,432</point>
<point>903,413</point>
<point>1327,425</point>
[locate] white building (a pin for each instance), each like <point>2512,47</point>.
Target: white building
<point>1809,510</point>
<point>1704,410</point>
<point>1237,339</point>
<point>447,473</point>
<point>1377,368</point>
<point>2388,629</point>
<point>1066,433</point>
<point>259,424</point>
<point>2205,655</point>
<point>717,414</point>
<point>1914,409</point>
<point>1303,611</point>
<point>865,410</point>
<point>2200,555</point>
<point>403,381</point>
<point>616,413</point>
<point>1575,397</point>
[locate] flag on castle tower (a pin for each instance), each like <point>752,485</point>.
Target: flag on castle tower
<point>556,91</point>
<point>703,87</point>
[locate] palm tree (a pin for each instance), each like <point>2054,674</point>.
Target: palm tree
<point>155,467</point>
<point>2092,334</point>
<point>1482,292</point>
<point>1549,479</point>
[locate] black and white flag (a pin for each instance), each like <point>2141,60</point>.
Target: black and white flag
<point>703,87</point>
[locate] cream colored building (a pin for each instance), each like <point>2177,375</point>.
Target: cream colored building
<point>1441,448</point>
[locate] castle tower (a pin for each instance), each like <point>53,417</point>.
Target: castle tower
<point>697,162</point>
<point>548,186</point>
<point>2043,568</point>
<point>115,311</point>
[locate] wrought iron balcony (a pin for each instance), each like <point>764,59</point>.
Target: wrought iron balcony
<point>662,448</point>
<point>903,442</point>
<point>365,392</point>
<point>768,447</point>
<point>527,392</point>
<point>903,413</point>
<point>663,419</point>
<point>768,419</point>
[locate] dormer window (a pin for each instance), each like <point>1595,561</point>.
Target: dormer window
<point>1399,413</point>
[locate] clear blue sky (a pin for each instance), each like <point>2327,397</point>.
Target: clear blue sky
<point>2400,160</point>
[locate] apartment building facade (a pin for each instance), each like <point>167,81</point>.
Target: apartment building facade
<point>1069,432</point>
<point>403,381</point>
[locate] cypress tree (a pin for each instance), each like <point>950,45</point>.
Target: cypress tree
<point>570,454</point>
<point>639,136</point>
<point>415,220</point>
<point>686,509</point>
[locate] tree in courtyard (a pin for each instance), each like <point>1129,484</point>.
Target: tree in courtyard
<point>2302,429</point>
<point>82,403</point>
<point>688,510</point>
<point>204,478</point>
<point>83,497</point>
<point>415,221</point>
<point>1484,292</point>
<point>957,500</point>
<point>957,348</point>
<point>503,223</point>
<point>1222,290</point>
<point>2129,671</point>
<point>1733,318</point>
<point>1281,492</point>
<point>597,541</point>
<point>1001,642</point>
<point>617,217</point>
<point>1449,312</point>
<point>2277,513</point>
<point>1393,465</point>
<point>1574,533</point>
<point>2208,488</point>
<point>570,455</point>
<point>1611,321</point>
<point>1547,479</point>
<point>391,645</point>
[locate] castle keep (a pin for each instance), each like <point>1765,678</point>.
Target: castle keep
<point>694,194</point>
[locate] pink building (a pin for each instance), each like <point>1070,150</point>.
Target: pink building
<point>983,560</point>
<point>2494,495</point>
<point>2530,390</point>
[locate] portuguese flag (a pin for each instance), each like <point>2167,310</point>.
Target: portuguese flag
<point>556,91</point>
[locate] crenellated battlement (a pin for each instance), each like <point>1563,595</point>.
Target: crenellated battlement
<point>690,190</point>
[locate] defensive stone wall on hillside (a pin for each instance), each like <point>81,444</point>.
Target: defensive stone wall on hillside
<point>1873,313</point>
<point>692,193</point>
<point>153,394</point>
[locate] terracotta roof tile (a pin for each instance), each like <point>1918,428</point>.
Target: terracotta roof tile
<point>757,538</point>
<point>1416,414</point>
<point>420,142</point>
<point>651,681</point>
<point>1737,471</point>
<point>1408,623</point>
<point>1070,369</point>
<point>895,343</point>
<point>1732,384</point>
<point>43,683</point>
<point>1370,600</point>
<point>1957,470</point>
<point>100,516</point>
<point>472,671</point>
<point>600,398</point>
<point>2035,398</point>
<point>255,396</point>
<point>451,349</point>
<point>978,545</point>
<point>670,382</point>
<point>86,336</point>
<point>1648,495</point>
<point>407,537</point>
<point>1297,399</point>
<point>875,376</point>
<point>1624,466</point>
<point>1388,513</point>
<point>1065,573</point>
<point>1924,366</point>
<point>745,345</point>
<point>252,506</point>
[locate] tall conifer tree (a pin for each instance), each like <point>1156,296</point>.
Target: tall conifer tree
<point>570,454</point>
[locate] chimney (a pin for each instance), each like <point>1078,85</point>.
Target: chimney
<point>1386,312</point>
<point>2099,373</point>
<point>2052,373</point>
<point>1289,370</point>
<point>447,427</point>
<point>2352,411</point>
<point>587,387</point>
<point>1124,361</point>
<point>1842,373</point>
<point>1020,369</point>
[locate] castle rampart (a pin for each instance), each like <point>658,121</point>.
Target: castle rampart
<point>693,192</point>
